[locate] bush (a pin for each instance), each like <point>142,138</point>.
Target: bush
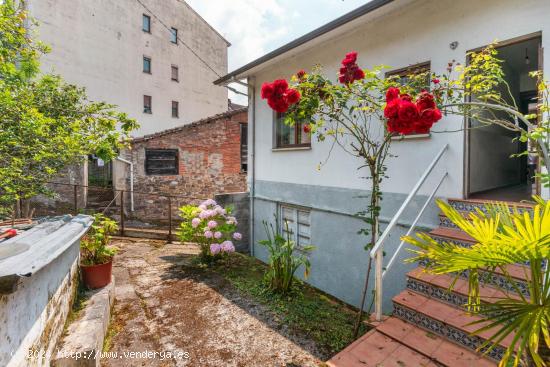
<point>283,264</point>
<point>211,227</point>
<point>93,246</point>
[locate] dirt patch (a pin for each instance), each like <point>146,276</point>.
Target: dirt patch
<point>164,304</point>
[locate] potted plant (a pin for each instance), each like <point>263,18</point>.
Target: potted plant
<point>96,258</point>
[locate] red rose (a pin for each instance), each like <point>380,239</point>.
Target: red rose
<point>350,59</point>
<point>435,81</point>
<point>392,109</point>
<point>392,94</point>
<point>425,101</point>
<point>358,74</point>
<point>280,86</point>
<point>430,116</point>
<point>408,112</point>
<point>278,105</point>
<point>301,73</point>
<point>406,97</point>
<point>292,96</point>
<point>267,90</point>
<point>307,128</point>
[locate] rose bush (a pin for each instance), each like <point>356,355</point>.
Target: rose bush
<point>210,226</point>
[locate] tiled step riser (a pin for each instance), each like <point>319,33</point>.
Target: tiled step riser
<point>439,328</point>
<point>495,280</point>
<point>432,291</point>
<point>465,206</point>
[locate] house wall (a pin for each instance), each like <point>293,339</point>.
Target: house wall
<point>209,164</point>
<point>405,33</point>
<point>100,45</point>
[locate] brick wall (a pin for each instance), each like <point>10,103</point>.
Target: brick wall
<point>209,164</point>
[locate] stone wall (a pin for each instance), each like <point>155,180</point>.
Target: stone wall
<point>209,160</point>
<point>240,201</point>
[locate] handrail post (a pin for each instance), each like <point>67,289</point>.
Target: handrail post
<point>378,285</point>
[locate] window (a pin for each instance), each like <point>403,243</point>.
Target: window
<point>290,136</point>
<point>161,162</point>
<point>299,225</point>
<point>403,76</point>
<point>146,26</point>
<point>175,109</point>
<point>174,35</point>
<point>147,65</point>
<point>175,73</point>
<point>244,147</point>
<point>147,104</point>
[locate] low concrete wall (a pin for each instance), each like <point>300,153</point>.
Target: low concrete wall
<point>241,204</point>
<point>37,287</point>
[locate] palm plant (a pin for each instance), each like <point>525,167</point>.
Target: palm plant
<point>503,236</point>
<point>283,263</point>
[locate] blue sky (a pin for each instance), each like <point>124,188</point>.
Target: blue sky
<point>255,27</point>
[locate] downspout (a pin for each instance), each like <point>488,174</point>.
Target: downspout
<point>131,180</point>
<point>252,123</point>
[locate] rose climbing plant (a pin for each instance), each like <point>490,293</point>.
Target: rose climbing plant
<point>212,227</point>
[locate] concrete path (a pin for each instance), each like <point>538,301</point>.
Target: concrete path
<point>166,314</point>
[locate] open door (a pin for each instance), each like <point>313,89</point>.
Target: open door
<point>492,172</point>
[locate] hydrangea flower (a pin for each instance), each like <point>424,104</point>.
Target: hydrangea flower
<point>212,224</point>
<point>217,235</point>
<point>195,222</point>
<point>215,248</point>
<point>208,234</point>
<point>209,202</point>
<point>237,236</point>
<point>202,207</point>
<point>227,246</point>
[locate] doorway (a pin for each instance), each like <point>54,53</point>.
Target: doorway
<point>493,172</point>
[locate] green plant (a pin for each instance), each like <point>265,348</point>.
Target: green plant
<point>94,249</point>
<point>283,264</point>
<point>504,236</point>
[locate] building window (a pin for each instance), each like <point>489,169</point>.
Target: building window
<point>147,65</point>
<point>244,147</point>
<point>174,35</point>
<point>422,80</point>
<point>175,109</point>
<point>175,73</point>
<point>297,220</point>
<point>147,104</point>
<point>146,26</point>
<point>161,162</point>
<point>290,136</point>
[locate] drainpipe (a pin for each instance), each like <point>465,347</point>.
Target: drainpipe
<point>131,180</point>
<point>252,124</point>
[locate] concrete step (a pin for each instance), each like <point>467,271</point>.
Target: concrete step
<point>446,321</point>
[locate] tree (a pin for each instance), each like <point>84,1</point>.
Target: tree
<point>46,124</point>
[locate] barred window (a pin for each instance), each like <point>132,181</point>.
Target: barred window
<point>299,224</point>
<point>161,162</point>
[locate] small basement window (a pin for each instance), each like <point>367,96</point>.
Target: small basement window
<point>175,73</point>
<point>161,162</point>
<point>299,224</point>
<point>174,35</point>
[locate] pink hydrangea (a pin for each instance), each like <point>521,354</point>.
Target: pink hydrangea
<point>208,234</point>
<point>219,210</point>
<point>202,207</point>
<point>195,222</point>
<point>231,220</point>
<point>217,235</point>
<point>227,246</point>
<point>237,236</point>
<point>212,224</point>
<point>215,248</point>
<point>209,202</point>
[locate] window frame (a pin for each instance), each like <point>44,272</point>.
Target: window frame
<point>244,146</point>
<point>148,17</point>
<point>177,104</point>
<point>150,71</point>
<point>295,232</point>
<point>418,68</point>
<point>172,68</point>
<point>150,110</point>
<point>147,167</point>
<point>174,33</point>
<point>298,129</point>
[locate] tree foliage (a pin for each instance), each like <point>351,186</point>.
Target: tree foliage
<point>46,124</point>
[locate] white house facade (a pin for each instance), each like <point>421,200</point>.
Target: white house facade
<point>284,178</point>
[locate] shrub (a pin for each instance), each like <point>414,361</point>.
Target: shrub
<point>283,264</point>
<point>93,246</point>
<point>211,227</point>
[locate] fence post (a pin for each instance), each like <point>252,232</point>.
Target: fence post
<point>122,213</point>
<point>75,192</point>
<point>169,219</point>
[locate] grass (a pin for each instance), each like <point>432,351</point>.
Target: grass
<point>306,311</point>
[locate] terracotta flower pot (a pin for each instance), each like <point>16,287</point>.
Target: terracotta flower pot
<point>97,276</point>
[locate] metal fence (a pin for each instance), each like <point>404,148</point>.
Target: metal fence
<point>140,214</point>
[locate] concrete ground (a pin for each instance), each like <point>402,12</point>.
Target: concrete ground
<point>163,306</point>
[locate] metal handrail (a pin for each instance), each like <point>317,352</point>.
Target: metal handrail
<point>413,225</point>
<point>376,251</point>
